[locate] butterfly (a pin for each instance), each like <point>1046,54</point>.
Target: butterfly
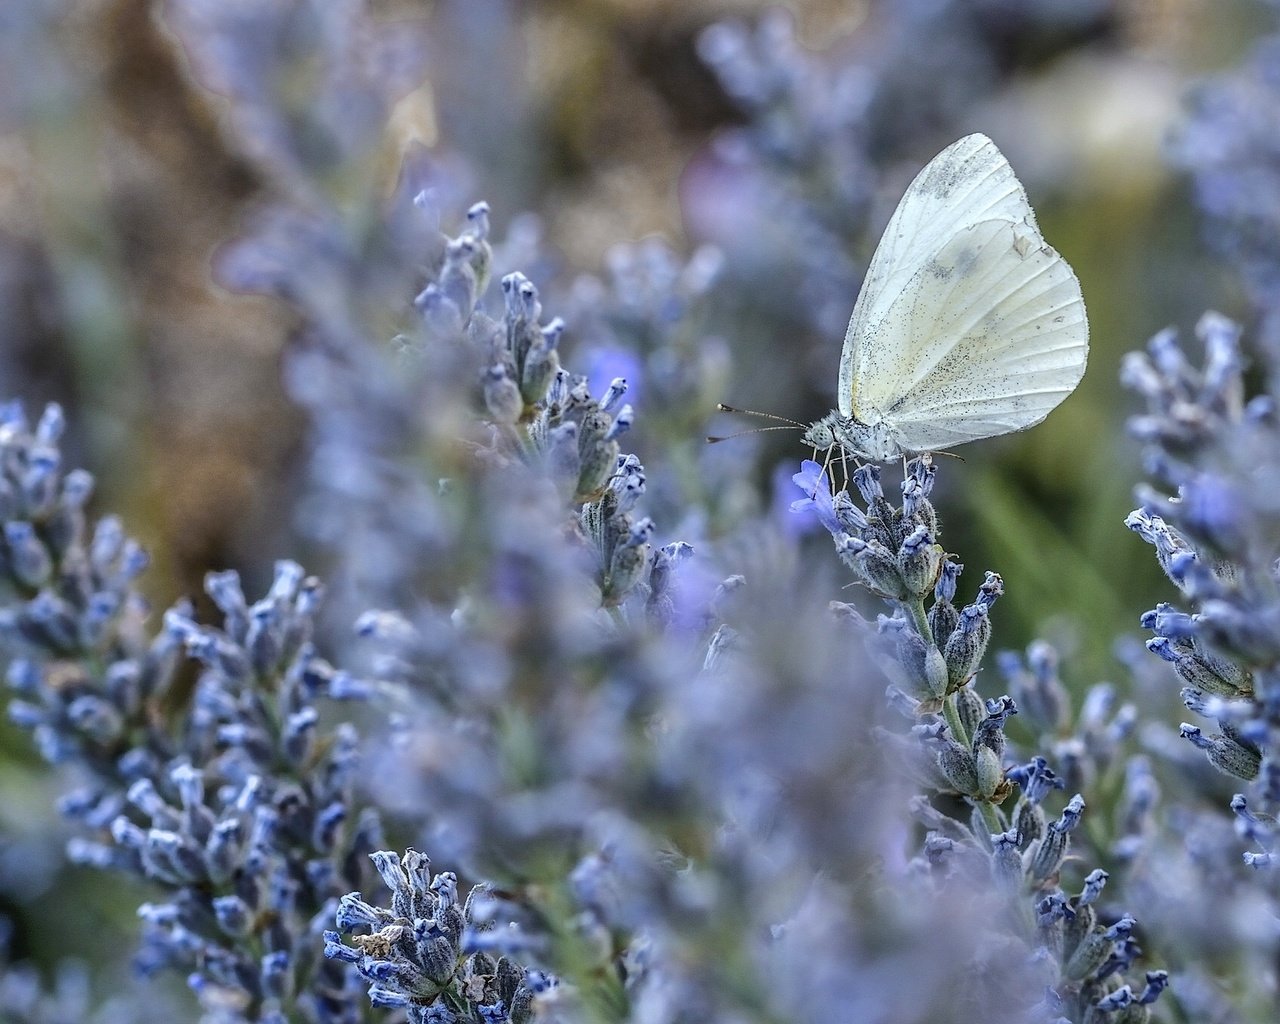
<point>969,324</point>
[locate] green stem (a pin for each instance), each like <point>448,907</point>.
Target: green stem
<point>991,817</point>
<point>952,715</point>
<point>915,607</point>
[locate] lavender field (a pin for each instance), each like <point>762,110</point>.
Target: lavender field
<point>383,640</point>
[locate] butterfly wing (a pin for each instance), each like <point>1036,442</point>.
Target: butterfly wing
<point>968,324</point>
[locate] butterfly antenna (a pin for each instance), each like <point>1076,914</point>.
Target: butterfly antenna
<point>765,415</point>
<point>753,430</point>
<point>950,455</point>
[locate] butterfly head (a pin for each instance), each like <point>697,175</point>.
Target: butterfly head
<point>875,442</point>
<point>825,434</point>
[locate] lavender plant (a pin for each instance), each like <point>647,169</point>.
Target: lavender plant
<point>230,796</point>
<point>1209,449</point>
<point>1207,445</point>
<point>957,746</point>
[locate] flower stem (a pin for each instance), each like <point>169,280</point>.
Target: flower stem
<point>952,715</point>
<point>915,607</point>
<point>991,817</point>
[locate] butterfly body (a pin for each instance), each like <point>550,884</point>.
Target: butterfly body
<point>877,441</point>
<point>969,324</point>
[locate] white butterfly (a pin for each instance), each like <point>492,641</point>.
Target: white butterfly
<point>968,325</point>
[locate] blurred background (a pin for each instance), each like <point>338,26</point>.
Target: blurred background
<point>616,141</point>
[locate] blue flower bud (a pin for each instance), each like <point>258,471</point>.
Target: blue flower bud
<point>28,558</point>
<point>970,708</point>
<point>957,764</point>
<point>1037,779</point>
<point>1094,882</point>
<point>1046,854</point>
<point>1093,951</point>
<point>439,960</point>
<point>222,850</point>
<point>662,573</point>
<point>1053,908</point>
<point>328,824</point>
<point>170,856</point>
<point>989,771</point>
<point>1174,552</point>
<point>1006,860</point>
<point>1029,820</point>
<point>477,215</point>
<point>919,561</point>
<point>1226,754</point>
<point>501,395</point>
<point>298,735</point>
<point>610,399</point>
<point>52,424</point>
<point>920,662</point>
<point>96,718</point>
<point>966,645</point>
<point>382,998</point>
<point>353,912</point>
<point>626,565</point>
<point>867,479</point>
<point>622,422</point>
<point>564,465</point>
<point>875,564</point>
<point>990,731</point>
<point>388,866</point>
<point>948,576</point>
<point>233,914</point>
<point>540,368</point>
<point>276,974</point>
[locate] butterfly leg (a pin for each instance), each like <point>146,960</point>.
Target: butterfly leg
<point>826,469</point>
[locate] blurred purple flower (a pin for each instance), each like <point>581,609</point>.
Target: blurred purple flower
<point>605,363</point>
<point>812,479</point>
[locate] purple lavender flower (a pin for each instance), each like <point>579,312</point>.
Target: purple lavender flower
<point>431,953</point>
<point>812,479</point>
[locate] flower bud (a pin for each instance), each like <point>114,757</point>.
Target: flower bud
<point>926,674</point>
<point>539,370</point>
<point>1028,819</point>
<point>501,396</point>
<point>436,954</point>
<point>970,708</point>
<point>990,731</point>
<point>967,644</point>
<point>627,563</point>
<point>597,455</point>
<point>1095,948</point>
<point>874,563</point>
<point>989,771</point>
<point>564,465</point>
<point>1227,754</point>
<point>1045,856</point>
<point>919,560</point>
<point>1006,861</point>
<point>958,766</point>
<point>1201,669</point>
